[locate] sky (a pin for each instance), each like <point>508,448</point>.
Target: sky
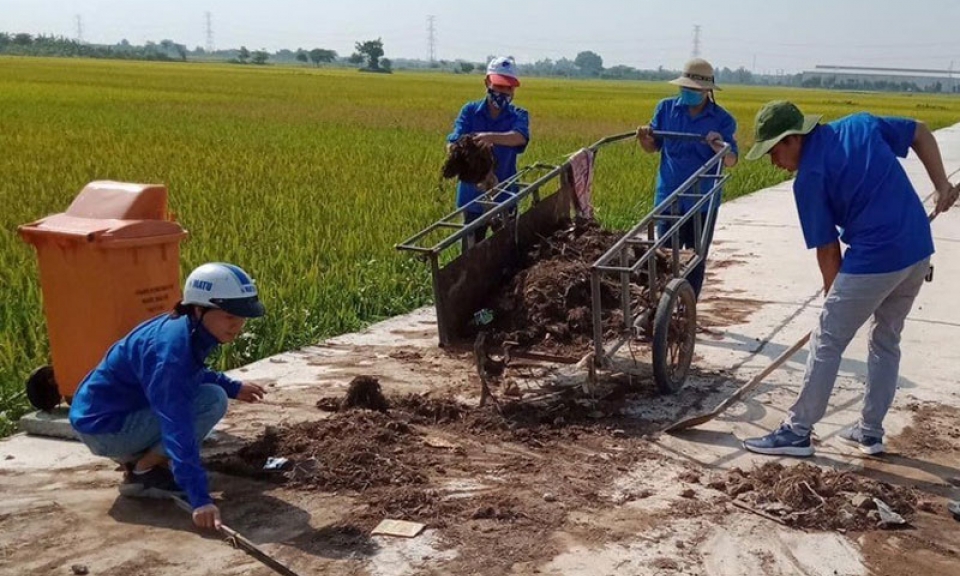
<point>770,36</point>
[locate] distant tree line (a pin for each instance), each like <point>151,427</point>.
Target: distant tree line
<point>369,52</point>
<point>22,44</point>
<point>369,55</point>
<point>834,83</point>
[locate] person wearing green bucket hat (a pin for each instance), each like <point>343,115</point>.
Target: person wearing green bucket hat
<point>776,121</point>
<point>850,187</point>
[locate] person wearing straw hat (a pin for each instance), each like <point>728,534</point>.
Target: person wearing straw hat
<point>496,122</point>
<point>693,110</point>
<point>850,187</point>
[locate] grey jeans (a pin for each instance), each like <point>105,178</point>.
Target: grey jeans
<point>853,298</point>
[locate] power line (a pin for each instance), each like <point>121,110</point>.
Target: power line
<point>432,38</point>
<point>889,45</point>
<point>209,29</point>
<point>696,41</point>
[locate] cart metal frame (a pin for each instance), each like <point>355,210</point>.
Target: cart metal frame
<point>623,261</point>
<point>461,285</point>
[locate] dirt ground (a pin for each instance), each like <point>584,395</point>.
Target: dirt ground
<point>499,478</point>
<point>550,476</point>
<point>548,479</point>
<point>928,447</point>
<point>499,484</point>
<point>494,486</point>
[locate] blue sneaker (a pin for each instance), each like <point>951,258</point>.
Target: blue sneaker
<point>854,436</point>
<point>783,442</point>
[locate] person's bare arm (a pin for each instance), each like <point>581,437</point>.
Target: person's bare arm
<point>927,150</point>
<point>829,258</point>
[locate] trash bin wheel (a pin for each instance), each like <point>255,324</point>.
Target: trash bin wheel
<point>674,335</point>
<point>42,391</point>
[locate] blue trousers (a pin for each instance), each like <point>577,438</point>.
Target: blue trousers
<point>687,237</point>
<point>141,429</point>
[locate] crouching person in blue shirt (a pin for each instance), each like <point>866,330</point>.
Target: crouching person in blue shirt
<point>493,121</point>
<point>851,187</point>
<point>151,401</point>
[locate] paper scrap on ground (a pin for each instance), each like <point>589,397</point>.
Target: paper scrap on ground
<point>398,528</point>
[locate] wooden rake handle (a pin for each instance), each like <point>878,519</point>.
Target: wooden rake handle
<point>742,391</point>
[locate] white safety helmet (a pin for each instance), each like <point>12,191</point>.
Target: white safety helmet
<point>503,70</point>
<point>223,286</point>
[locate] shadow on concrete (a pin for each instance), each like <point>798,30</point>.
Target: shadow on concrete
<point>755,412</point>
<point>849,367</point>
<point>259,517</point>
<point>766,347</point>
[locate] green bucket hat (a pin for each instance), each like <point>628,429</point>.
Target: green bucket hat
<point>777,120</point>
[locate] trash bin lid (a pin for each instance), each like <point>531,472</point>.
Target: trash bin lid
<point>97,230</point>
<point>120,200</point>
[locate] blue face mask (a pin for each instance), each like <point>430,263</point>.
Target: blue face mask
<point>691,97</point>
<point>498,99</point>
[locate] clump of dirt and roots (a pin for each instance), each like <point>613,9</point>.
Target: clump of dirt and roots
<point>548,303</point>
<point>365,392</point>
<point>502,476</point>
<point>396,458</point>
<point>469,161</point>
<point>379,442</point>
<point>807,496</point>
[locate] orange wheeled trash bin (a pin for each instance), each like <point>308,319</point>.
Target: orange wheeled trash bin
<point>108,263</point>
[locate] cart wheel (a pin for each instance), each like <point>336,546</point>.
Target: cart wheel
<point>674,335</point>
<point>42,389</point>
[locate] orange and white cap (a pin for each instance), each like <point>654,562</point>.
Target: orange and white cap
<point>502,71</point>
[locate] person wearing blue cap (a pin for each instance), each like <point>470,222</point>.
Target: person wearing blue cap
<point>493,121</point>
<point>850,186</point>
<point>694,110</point>
<point>151,401</point>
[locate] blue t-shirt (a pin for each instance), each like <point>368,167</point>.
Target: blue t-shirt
<point>159,366</point>
<point>851,186</point>
<point>679,159</point>
<point>474,117</point>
